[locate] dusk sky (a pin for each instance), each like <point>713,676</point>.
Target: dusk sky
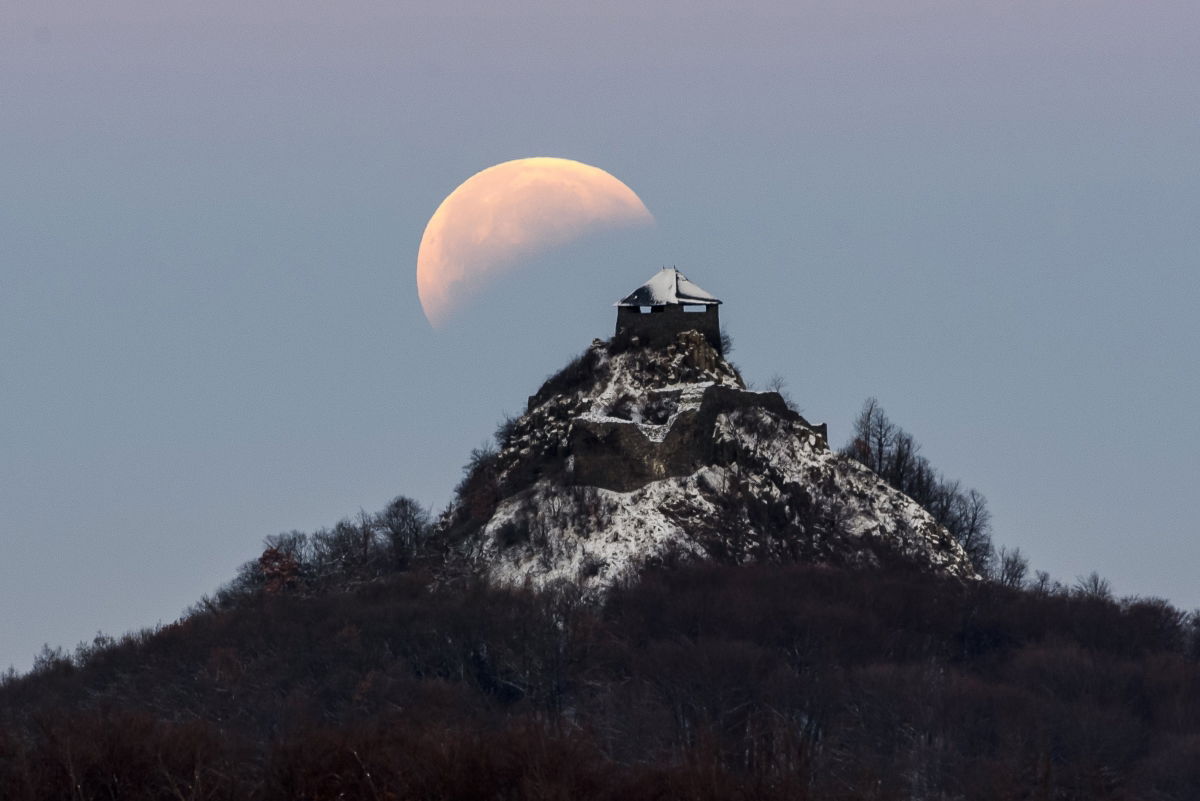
<point>983,214</point>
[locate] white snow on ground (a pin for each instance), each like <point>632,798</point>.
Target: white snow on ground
<point>634,528</point>
<point>549,532</point>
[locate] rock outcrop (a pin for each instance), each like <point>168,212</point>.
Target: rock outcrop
<point>636,455</point>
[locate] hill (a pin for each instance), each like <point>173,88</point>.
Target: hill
<point>631,455</point>
<point>659,585</point>
<point>707,682</point>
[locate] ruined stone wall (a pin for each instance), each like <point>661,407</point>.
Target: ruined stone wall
<point>618,456</point>
<point>660,327</point>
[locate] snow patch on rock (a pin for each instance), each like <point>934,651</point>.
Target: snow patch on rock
<point>768,489</point>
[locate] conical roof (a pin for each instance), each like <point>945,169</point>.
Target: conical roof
<point>668,287</point>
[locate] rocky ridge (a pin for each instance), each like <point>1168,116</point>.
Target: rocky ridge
<point>637,455</point>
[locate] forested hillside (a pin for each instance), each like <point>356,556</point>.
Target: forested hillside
<point>368,660</point>
<point>695,682</point>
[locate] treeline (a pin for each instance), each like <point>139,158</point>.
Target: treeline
<point>896,457</point>
<point>702,682</point>
<point>350,663</point>
<point>358,549</point>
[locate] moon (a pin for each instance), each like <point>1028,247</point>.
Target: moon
<point>509,212</point>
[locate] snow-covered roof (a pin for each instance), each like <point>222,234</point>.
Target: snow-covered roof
<point>668,287</point>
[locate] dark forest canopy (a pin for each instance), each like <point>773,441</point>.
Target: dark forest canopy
<point>697,681</point>
<point>352,662</point>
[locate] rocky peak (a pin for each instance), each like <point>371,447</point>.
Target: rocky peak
<point>631,455</point>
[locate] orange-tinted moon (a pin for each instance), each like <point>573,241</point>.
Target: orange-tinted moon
<point>509,212</point>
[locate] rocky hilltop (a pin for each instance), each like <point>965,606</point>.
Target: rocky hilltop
<point>638,455</point>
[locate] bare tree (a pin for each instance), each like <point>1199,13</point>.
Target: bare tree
<point>1093,586</point>
<point>1010,568</point>
<point>404,523</point>
<point>971,523</point>
<point>1042,584</point>
<point>293,543</point>
<point>893,454</point>
<point>872,438</point>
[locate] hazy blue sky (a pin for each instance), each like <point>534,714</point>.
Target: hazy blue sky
<point>984,214</point>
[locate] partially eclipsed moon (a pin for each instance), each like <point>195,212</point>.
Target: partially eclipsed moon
<point>512,211</point>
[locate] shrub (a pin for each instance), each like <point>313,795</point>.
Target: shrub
<point>580,372</point>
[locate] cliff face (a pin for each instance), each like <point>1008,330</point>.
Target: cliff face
<point>615,455</point>
<point>638,455</point>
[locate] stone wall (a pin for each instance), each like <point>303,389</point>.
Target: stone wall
<point>618,456</point>
<point>664,323</point>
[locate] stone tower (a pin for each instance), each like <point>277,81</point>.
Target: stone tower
<point>668,303</point>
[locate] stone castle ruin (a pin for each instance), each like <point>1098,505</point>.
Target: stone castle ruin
<point>666,305</point>
<point>634,455</point>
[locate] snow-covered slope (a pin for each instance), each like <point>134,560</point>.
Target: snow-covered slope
<point>635,456</point>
